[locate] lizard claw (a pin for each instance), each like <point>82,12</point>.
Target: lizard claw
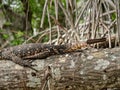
<point>29,62</point>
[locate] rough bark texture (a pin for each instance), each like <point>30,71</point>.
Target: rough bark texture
<point>87,70</point>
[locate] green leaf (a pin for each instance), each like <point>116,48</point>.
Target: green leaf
<point>5,36</point>
<point>113,16</point>
<point>19,34</point>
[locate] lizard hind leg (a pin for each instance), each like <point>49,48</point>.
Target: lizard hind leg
<point>22,62</point>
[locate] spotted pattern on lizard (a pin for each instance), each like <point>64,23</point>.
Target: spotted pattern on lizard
<point>19,54</point>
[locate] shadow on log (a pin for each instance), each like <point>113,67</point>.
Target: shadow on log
<point>87,70</point>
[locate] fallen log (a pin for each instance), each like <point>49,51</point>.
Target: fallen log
<point>91,69</point>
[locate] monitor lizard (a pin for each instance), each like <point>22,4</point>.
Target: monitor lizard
<point>23,54</point>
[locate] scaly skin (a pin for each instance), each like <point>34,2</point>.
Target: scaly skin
<point>22,54</point>
<point>38,50</point>
<point>19,54</point>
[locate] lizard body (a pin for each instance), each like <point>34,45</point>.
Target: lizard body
<point>21,54</point>
<point>38,50</point>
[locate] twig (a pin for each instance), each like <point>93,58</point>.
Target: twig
<point>65,13</point>
<point>56,15</point>
<point>47,76</point>
<point>85,6</point>
<point>118,22</point>
<point>50,36</point>
<point>43,14</point>
<point>47,30</point>
<point>109,35</point>
<point>62,28</point>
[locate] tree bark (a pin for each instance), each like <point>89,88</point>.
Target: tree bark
<point>91,69</point>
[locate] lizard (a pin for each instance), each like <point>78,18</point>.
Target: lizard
<point>24,54</point>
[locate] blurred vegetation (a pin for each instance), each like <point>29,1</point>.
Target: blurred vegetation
<point>57,21</point>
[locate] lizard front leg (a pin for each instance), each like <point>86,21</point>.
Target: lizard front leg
<point>40,55</point>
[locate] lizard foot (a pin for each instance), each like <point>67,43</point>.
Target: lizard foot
<point>28,64</point>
